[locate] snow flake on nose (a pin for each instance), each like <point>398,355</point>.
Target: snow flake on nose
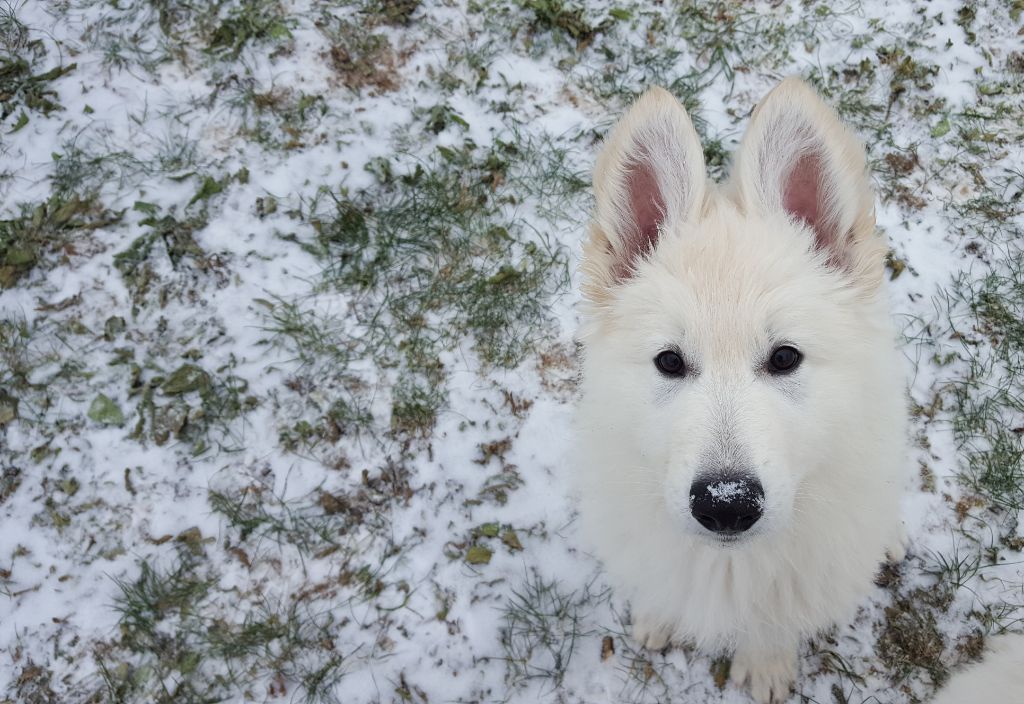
<point>729,491</point>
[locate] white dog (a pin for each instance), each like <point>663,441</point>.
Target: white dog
<point>742,419</point>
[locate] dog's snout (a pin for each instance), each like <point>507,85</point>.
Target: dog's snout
<point>726,504</point>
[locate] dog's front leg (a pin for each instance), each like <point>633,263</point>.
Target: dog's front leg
<point>897,550</point>
<point>769,664</point>
<point>651,631</point>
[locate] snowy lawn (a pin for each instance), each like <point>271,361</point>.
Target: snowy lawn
<point>286,360</point>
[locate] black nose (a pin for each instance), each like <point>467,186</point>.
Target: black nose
<point>726,504</point>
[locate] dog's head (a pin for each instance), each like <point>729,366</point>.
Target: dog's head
<point>731,332</point>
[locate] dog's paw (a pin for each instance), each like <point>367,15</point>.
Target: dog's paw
<point>651,633</point>
<point>897,550</point>
<point>771,675</point>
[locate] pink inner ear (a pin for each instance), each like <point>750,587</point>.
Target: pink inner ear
<point>647,206</point>
<point>803,198</point>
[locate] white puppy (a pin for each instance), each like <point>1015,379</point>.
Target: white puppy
<point>741,428</point>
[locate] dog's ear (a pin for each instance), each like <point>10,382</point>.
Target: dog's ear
<point>649,176</point>
<point>798,158</point>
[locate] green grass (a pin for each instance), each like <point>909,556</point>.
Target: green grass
<point>222,28</point>
<point>173,648</point>
<point>39,362</point>
<point>433,259</point>
<point>559,17</point>
<point>188,404</point>
<point>314,526</point>
<point>45,234</point>
<point>167,235</point>
<point>398,13</point>
<point>156,614</point>
<point>26,75</point>
<point>542,627</point>
<point>986,304</point>
<point>720,39</point>
<point>438,242</point>
<point>978,344</point>
<point>149,35</point>
<point>17,361</point>
<point>96,159</point>
<point>248,22</point>
<point>989,401</point>
<point>453,257</point>
<point>362,60</point>
<point>642,673</point>
<point>174,627</point>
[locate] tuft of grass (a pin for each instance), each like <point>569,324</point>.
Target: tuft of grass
<point>323,346</point>
<point>188,404</point>
<point>415,405</point>
<point>317,525</point>
<point>281,639</point>
<point>151,34</point>
<point>97,159</point>
<point>44,234</point>
<point>911,639</point>
<point>155,596</point>
<point>224,28</point>
<point>397,13</point>
<point>314,527</point>
<point>907,72</point>
<point>25,85</point>
<point>36,372</point>
<point>643,674</point>
<point>154,610</point>
<point>251,21</point>
<point>278,118</point>
<point>955,570</point>
<point>361,59</point>
<point>340,419</point>
<point>848,681</point>
<point>559,17</point>
<point>168,243</point>
<point>32,684</point>
<point>14,35</point>
<point>17,361</point>
<point>643,677</point>
<point>542,627</point>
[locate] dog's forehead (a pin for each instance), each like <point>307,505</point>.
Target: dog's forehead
<point>729,280</point>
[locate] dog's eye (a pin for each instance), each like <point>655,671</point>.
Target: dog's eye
<point>784,360</point>
<point>669,362</point>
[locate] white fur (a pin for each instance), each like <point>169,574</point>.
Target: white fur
<point>731,275</point>
<point>997,679</point>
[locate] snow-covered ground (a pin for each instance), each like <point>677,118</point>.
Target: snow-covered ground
<point>286,350</point>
